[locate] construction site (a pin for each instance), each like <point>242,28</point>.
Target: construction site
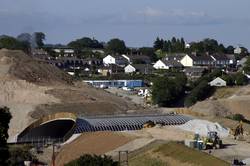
<point>63,119</point>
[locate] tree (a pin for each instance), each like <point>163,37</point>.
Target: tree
<point>149,51</point>
<point>116,46</point>
<point>12,43</point>
<point>241,79</point>
<point>89,160</point>
<point>166,92</point>
<point>200,92</point>
<point>85,42</point>
<point>39,38</point>
<point>5,117</point>
<point>230,50</point>
<point>158,44</point>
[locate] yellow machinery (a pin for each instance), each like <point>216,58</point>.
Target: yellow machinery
<point>238,131</point>
<point>149,124</point>
<point>212,141</point>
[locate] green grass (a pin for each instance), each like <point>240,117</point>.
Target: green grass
<point>225,92</point>
<point>146,160</point>
<point>174,151</point>
<point>184,154</point>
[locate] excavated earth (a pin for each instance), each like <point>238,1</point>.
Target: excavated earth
<point>32,88</point>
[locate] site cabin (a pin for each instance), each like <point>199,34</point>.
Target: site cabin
<point>218,82</point>
<point>116,83</point>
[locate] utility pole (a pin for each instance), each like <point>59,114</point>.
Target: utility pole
<point>121,161</point>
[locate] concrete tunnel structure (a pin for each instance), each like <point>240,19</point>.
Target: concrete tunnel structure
<point>59,126</point>
<point>62,126</point>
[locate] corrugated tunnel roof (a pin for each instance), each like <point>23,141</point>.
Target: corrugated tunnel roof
<point>120,123</point>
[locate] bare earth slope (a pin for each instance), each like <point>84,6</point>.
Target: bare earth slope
<point>237,102</point>
<point>32,89</point>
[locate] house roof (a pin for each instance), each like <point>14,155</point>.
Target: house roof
<point>142,67</point>
<point>134,57</point>
<point>176,57</point>
<point>172,63</point>
<point>200,57</point>
<point>220,57</point>
<point>231,57</point>
<point>217,79</point>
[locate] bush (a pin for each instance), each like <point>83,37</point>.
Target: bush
<point>166,92</point>
<point>241,79</point>
<point>93,160</point>
<point>229,79</point>
<point>200,92</point>
<point>239,117</point>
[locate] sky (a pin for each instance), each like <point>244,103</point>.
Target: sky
<point>137,22</point>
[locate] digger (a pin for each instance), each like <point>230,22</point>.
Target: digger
<point>212,141</point>
<point>238,131</point>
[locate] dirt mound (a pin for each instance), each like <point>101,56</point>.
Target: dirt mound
<point>84,100</point>
<point>235,103</point>
<point>32,70</point>
<point>22,97</point>
<point>91,143</point>
<point>210,108</point>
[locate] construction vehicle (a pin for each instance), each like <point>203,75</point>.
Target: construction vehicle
<point>237,162</point>
<point>238,131</point>
<point>149,124</point>
<point>212,141</point>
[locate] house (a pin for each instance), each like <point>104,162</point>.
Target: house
<point>238,50</point>
<point>194,72</point>
<point>115,59</point>
<point>232,59</point>
<point>220,60</point>
<point>167,64</point>
<point>139,68</point>
<point>218,82</point>
<point>93,61</point>
<point>66,52</point>
<point>194,60</point>
<point>137,59</point>
<point>111,69</point>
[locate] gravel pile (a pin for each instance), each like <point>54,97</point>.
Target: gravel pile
<point>202,127</point>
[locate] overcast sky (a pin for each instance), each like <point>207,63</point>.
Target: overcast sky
<point>137,22</point>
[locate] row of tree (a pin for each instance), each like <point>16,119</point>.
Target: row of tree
<point>176,45</point>
<point>24,41</point>
<point>169,91</point>
<point>173,45</point>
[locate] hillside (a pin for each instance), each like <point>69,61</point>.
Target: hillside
<point>32,89</point>
<point>226,101</point>
<point>32,70</point>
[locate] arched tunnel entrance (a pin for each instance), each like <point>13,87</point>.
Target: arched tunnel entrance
<point>55,127</point>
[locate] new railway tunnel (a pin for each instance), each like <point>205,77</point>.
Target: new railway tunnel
<point>62,126</point>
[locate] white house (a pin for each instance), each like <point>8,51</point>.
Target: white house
<point>187,61</point>
<point>238,50</point>
<point>129,69</point>
<point>139,68</point>
<point>160,65</point>
<point>118,60</point>
<point>68,52</point>
<point>218,82</point>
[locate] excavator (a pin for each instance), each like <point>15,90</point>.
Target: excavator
<point>238,131</point>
